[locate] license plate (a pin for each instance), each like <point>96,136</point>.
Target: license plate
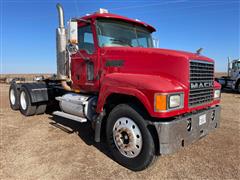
<point>202,119</point>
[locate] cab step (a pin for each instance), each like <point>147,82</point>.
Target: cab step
<point>70,116</point>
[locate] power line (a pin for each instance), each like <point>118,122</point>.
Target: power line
<point>148,5</point>
<point>196,6</point>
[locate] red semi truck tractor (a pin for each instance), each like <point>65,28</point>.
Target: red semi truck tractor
<point>146,101</point>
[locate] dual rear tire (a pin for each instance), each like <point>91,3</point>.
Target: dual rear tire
<point>14,97</point>
<point>26,107</point>
<point>21,100</point>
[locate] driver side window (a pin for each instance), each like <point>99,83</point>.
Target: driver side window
<point>85,39</point>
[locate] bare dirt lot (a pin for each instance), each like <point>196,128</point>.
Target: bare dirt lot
<point>36,148</point>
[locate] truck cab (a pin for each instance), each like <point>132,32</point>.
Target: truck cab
<point>231,81</point>
<point>148,101</point>
<point>235,69</point>
<point>120,54</point>
<point>96,35</point>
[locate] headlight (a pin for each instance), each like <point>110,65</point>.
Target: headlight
<point>217,93</point>
<point>174,101</point>
<point>168,102</point>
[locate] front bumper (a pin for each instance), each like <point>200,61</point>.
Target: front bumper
<point>175,134</point>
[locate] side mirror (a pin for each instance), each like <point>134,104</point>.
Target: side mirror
<point>72,48</point>
<point>72,37</point>
<point>72,32</point>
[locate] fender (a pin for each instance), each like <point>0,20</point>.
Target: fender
<point>38,91</point>
<point>140,86</point>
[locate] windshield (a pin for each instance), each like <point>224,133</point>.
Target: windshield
<point>118,33</point>
<point>236,65</point>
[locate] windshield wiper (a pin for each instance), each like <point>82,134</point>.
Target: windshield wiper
<point>121,41</point>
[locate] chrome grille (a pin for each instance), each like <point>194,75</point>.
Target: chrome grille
<point>201,83</point>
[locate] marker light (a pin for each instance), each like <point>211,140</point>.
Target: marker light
<point>102,11</point>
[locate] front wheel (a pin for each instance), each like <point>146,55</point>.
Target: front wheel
<point>129,140</point>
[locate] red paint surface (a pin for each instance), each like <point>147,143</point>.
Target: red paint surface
<point>145,71</point>
<point>115,16</point>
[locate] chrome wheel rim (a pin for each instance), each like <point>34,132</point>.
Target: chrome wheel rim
<point>23,101</point>
<point>12,97</point>
<point>127,137</point>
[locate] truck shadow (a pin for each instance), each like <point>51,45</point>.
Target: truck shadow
<point>83,130</point>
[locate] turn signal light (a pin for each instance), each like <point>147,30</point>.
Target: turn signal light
<point>160,102</point>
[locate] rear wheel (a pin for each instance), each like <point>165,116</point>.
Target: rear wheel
<point>26,106</point>
<point>129,140</point>
<point>14,97</point>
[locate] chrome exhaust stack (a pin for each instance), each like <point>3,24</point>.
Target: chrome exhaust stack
<point>61,42</point>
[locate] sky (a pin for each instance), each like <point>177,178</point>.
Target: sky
<point>27,32</point>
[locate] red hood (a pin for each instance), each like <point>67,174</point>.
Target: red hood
<point>171,64</point>
<point>160,51</point>
<point>185,54</point>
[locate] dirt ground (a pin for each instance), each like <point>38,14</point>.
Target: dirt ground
<point>38,148</point>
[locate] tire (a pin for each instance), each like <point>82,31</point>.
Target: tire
<point>238,87</point>
<point>135,156</point>
<point>41,109</point>
<point>26,107</point>
<point>14,97</point>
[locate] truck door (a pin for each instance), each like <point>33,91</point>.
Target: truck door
<point>83,63</point>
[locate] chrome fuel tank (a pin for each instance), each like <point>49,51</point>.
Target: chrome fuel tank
<point>78,104</point>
